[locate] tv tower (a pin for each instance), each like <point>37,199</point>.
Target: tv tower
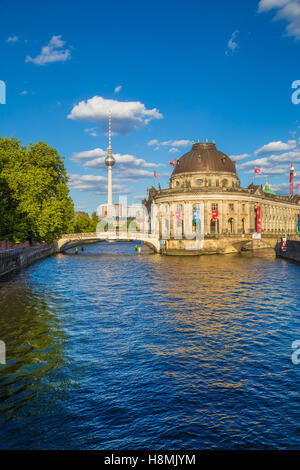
<point>109,162</point>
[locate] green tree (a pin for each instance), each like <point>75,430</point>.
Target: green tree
<point>35,201</point>
<point>83,223</point>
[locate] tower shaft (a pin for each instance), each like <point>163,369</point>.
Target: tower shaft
<point>109,186</point>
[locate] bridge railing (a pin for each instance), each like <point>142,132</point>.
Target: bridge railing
<point>80,235</point>
<point>108,234</point>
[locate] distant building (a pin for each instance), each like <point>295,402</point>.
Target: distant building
<point>117,210</point>
<point>81,213</point>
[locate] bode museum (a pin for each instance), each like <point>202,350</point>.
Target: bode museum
<point>206,209</point>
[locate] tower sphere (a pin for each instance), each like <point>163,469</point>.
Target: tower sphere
<point>110,160</point>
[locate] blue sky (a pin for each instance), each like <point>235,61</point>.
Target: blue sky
<point>176,72</point>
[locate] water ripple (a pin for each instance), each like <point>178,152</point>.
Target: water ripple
<point>110,350</point>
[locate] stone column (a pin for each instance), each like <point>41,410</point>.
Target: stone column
<point>221,216</point>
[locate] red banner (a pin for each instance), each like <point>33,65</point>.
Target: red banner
<point>179,217</point>
<point>258,219</point>
<point>292,181</point>
<point>215,216</point>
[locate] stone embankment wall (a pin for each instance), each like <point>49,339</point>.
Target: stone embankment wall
<point>6,245</point>
<point>18,258</point>
<point>292,252</point>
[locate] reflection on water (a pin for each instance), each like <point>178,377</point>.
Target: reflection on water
<point>110,350</point>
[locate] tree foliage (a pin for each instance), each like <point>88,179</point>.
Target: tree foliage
<point>83,223</point>
<point>35,202</point>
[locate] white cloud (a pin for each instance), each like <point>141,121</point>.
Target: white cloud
<point>239,157</point>
<point>12,39</point>
<point>126,115</point>
<point>92,131</point>
<point>153,142</point>
<point>251,163</point>
<point>24,92</point>
<point>273,162</point>
<point>169,143</point>
<point>86,182</point>
<point>173,150</point>
<point>280,170</point>
<point>51,53</point>
<point>89,154</point>
<point>118,88</point>
<point>132,174</point>
<point>232,44</point>
<point>287,157</point>
<point>122,160</point>
<point>287,10</point>
<point>95,183</point>
<point>95,158</point>
<point>277,146</point>
<point>283,188</point>
<point>265,5</point>
<point>128,168</point>
<point>178,143</point>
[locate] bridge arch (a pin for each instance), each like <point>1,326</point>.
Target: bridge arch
<point>69,241</point>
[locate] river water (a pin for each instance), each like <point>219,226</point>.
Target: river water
<point>111,350</point>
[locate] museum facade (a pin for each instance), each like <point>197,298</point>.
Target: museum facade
<point>205,198</point>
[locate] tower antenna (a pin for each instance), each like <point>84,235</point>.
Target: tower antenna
<point>109,130</point>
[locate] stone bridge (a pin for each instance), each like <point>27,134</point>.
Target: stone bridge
<point>68,241</point>
<point>210,244</point>
<point>237,243</point>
